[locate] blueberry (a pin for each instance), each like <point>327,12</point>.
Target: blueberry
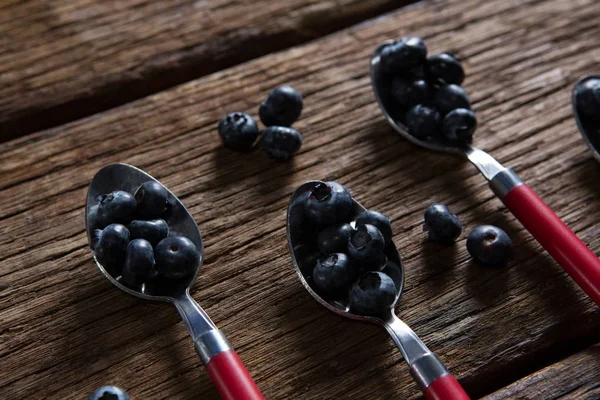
<point>306,257</point>
<point>109,393</point>
<point>116,208</point>
<point>238,131</point>
<point>423,122</point>
<point>334,238</point>
<point>96,233</point>
<point>153,231</point>
<point>410,93</point>
<point>282,107</point>
<point>489,246</point>
<point>441,224</point>
<point>445,68</point>
<point>281,142</point>
<point>151,198</point>
<point>373,294</point>
<point>176,257</point>
<point>366,245</point>
<point>112,247</point>
<point>587,98</point>
<point>379,221</point>
<point>450,97</point>
<point>458,126</point>
<point>407,53</point>
<point>139,263</point>
<point>333,274</point>
<point>328,203</point>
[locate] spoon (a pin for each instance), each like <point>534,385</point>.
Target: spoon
<point>224,366</point>
<point>590,130</point>
<point>545,226</point>
<point>427,370</point>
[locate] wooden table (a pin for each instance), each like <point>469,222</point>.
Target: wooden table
<point>84,84</point>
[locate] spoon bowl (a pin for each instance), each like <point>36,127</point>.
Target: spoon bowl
<point>590,130</point>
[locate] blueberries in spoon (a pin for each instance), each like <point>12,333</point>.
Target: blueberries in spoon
<point>373,294</point>
<point>328,203</point>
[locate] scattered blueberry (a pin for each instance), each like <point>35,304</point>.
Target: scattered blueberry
<point>410,93</point>
<point>588,98</point>
<point>334,238</point>
<point>112,247</point>
<point>176,257</point>
<point>451,97</point>
<point>116,208</point>
<point>489,246</point>
<point>445,68</point>
<point>373,294</point>
<point>328,203</point>
<point>458,126</point>
<point>423,122</point>
<point>151,198</point>
<point>280,142</point>
<point>407,53</point>
<point>282,107</point>
<point>366,245</point>
<point>139,263</point>
<point>153,231</point>
<point>333,273</point>
<point>379,221</point>
<point>109,393</point>
<point>441,224</point>
<point>238,131</point>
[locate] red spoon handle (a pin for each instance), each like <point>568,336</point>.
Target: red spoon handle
<point>445,388</point>
<point>230,377</point>
<point>562,244</point>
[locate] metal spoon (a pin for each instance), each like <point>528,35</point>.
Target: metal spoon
<point>222,363</point>
<point>590,130</point>
<point>545,226</point>
<point>428,371</point>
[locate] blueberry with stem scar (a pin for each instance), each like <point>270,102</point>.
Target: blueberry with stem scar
<point>489,245</point>
<point>281,142</point>
<point>333,274</point>
<point>109,392</point>
<point>379,221</point>
<point>238,131</point>
<point>176,257</point>
<point>328,203</point>
<point>117,207</point>
<point>373,294</point>
<point>441,224</point>
<point>366,245</point>
<point>151,198</point>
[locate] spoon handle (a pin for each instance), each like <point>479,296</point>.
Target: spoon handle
<point>427,370</point>
<point>549,230</point>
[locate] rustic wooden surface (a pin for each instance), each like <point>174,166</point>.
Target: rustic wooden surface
<point>575,377</point>
<point>64,330</point>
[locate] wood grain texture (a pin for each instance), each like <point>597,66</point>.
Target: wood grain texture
<point>64,60</point>
<point>65,330</point>
<point>576,377</point>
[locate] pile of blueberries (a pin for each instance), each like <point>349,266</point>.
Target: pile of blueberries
<point>134,241</point>
<point>343,262</point>
<point>426,92</point>
<point>278,112</point>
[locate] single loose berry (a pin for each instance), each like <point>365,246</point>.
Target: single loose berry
<point>441,224</point>
<point>333,274</point>
<point>458,126</point>
<point>282,107</point>
<point>334,239</point>
<point>451,97</point>
<point>112,248</point>
<point>407,53</point>
<point>139,263</point>
<point>280,142</point>
<point>328,203</point>
<point>587,98</point>
<point>117,207</point>
<point>238,131</point>
<point>373,294</point>
<point>379,221</point>
<point>489,245</point>
<point>151,198</point>
<point>176,257</point>
<point>110,392</point>
<point>153,231</point>
<point>445,68</point>
<point>410,93</point>
<point>423,122</point>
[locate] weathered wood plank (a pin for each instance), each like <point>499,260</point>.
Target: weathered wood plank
<point>576,377</point>
<point>64,60</point>
<point>65,330</point>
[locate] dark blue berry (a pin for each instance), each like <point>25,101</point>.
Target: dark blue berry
<point>238,131</point>
<point>176,257</point>
<point>153,231</point>
<point>96,233</point>
<point>379,221</point>
<point>489,246</point>
<point>445,68</point>
<point>410,93</point>
<point>328,203</point>
<point>306,257</point>
<point>109,393</point>
<point>139,263</point>
<point>280,142</point>
<point>282,107</point>
<point>458,126</point>
<point>450,97</point>
<point>407,53</point>
<point>373,294</point>
<point>366,246</point>
<point>333,274</point>
<point>441,224</point>
<point>423,122</point>
<point>587,98</point>
<point>116,208</point>
<point>112,248</point>
<point>151,198</point>
<point>334,239</point>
